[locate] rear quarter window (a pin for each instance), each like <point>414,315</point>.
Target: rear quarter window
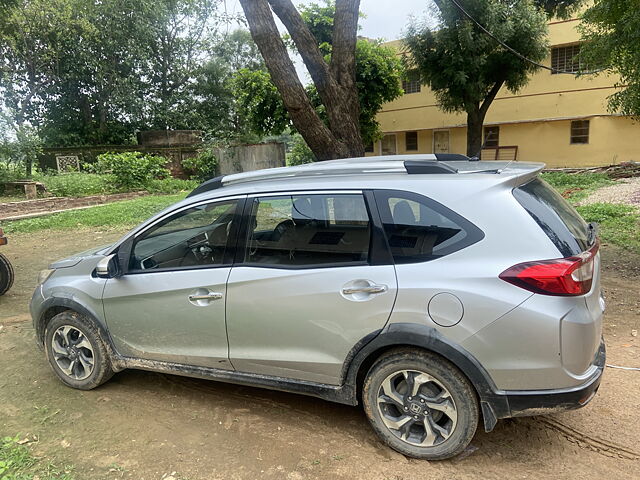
<point>555,216</point>
<point>419,229</point>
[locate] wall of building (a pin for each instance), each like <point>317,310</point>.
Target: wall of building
<point>246,158</point>
<point>537,118</point>
<point>612,139</point>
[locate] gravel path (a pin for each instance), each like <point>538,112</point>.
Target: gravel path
<point>625,191</point>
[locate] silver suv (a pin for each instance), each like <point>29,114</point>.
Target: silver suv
<point>435,290</point>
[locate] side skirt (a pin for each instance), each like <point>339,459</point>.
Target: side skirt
<point>344,394</point>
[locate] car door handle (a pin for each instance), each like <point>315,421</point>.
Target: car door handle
<point>208,296</point>
<point>367,289</point>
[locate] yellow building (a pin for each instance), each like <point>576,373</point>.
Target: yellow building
<point>556,118</point>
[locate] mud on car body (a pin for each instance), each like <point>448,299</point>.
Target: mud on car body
<point>436,291</point>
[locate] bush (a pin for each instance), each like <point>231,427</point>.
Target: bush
<point>131,170</point>
<point>203,166</point>
<point>300,152</point>
<point>170,185</point>
<point>9,172</point>
<point>78,184</point>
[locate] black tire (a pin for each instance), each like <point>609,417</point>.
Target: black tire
<point>449,433</point>
<point>7,275</point>
<point>101,370</point>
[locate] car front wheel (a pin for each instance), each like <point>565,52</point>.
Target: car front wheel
<point>76,352</point>
<point>420,404</point>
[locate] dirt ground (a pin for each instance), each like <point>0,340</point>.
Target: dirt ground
<point>149,426</point>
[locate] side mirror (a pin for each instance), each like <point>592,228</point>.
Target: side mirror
<point>109,267</point>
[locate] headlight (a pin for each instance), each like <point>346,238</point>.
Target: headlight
<point>43,275</point>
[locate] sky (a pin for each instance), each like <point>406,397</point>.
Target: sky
<point>385,19</point>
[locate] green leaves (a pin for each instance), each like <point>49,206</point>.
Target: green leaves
<point>611,29</point>
<point>132,169</point>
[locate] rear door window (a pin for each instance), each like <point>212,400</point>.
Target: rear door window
<point>307,231</point>
<point>419,229</point>
<point>557,218</point>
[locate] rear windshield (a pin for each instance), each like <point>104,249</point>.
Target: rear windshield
<point>559,220</point>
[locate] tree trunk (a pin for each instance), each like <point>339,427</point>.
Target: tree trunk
<point>336,85</point>
<point>475,121</point>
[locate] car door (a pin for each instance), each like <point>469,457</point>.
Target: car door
<point>170,305</point>
<point>312,278</point>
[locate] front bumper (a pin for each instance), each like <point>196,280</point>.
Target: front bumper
<point>541,402</point>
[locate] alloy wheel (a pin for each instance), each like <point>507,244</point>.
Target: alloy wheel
<point>417,408</point>
<point>72,352</point>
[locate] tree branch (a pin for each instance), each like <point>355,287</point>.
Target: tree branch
<point>283,74</point>
<point>345,36</point>
<point>486,103</point>
<point>305,42</point>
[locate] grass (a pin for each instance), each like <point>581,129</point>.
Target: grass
<point>619,224</point>
<point>576,187</point>
<point>77,184</point>
<point>18,463</point>
<point>117,214</point>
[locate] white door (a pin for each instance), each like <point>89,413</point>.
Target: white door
<point>441,141</point>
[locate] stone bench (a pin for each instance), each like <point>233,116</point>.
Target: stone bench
<point>29,187</point>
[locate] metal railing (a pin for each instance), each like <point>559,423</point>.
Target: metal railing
<point>502,152</point>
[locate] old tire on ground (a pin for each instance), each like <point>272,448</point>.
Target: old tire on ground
<point>6,274</point>
<point>420,404</point>
<point>76,351</point>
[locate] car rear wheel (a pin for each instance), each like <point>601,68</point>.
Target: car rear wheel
<point>6,274</point>
<point>76,352</point>
<point>420,404</point>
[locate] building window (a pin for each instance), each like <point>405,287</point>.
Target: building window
<point>389,145</point>
<point>411,83</point>
<point>580,131</point>
<point>368,147</point>
<point>491,136</point>
<point>566,59</point>
<point>411,141</point>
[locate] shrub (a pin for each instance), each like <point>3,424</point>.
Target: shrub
<point>170,185</point>
<point>203,166</point>
<point>132,169</point>
<point>78,184</point>
<point>9,172</point>
<point>300,152</point>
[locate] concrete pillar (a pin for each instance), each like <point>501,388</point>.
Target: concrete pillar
<point>30,191</point>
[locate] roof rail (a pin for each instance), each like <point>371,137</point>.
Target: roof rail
<point>429,164</point>
<point>454,157</point>
<point>420,167</point>
<point>212,184</point>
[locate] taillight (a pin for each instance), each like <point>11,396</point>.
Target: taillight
<point>561,277</point>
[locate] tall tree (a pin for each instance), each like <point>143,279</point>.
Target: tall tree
<point>335,80</point>
<point>180,34</point>
<point>465,67</point>
<point>610,30</point>
<point>36,36</point>
<point>378,74</point>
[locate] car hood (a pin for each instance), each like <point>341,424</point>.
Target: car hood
<point>77,258</point>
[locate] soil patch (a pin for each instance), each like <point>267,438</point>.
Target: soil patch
<point>46,206</point>
<point>144,426</point>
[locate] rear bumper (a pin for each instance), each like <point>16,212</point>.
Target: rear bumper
<point>541,402</point>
